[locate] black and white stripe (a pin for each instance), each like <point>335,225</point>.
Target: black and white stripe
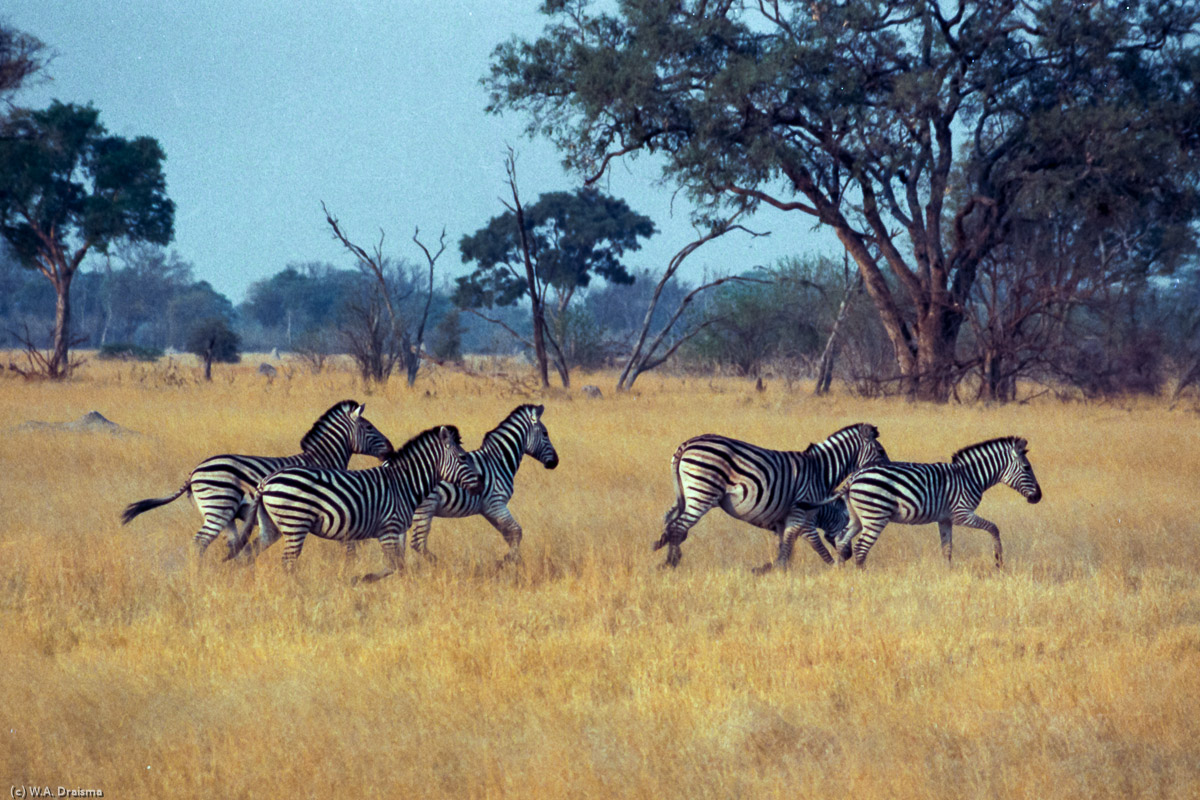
<point>948,494</point>
<point>376,503</point>
<point>767,488</point>
<point>522,433</point>
<point>220,485</point>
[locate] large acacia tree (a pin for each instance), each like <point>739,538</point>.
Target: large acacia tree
<point>67,188</point>
<point>912,128</point>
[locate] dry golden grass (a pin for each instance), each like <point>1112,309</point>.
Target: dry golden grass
<point>584,671</point>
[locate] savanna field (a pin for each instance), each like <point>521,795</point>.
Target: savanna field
<point>585,671</point>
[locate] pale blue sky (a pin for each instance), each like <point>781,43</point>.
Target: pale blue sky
<point>267,108</point>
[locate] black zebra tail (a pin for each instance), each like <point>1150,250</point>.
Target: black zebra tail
<point>804,505</point>
<point>134,509</point>
<point>674,511</point>
<point>244,538</point>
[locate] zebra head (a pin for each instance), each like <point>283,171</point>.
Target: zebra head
<point>342,431</point>
<point>1018,472</point>
<point>453,466</point>
<point>537,441</point>
<point>365,438</point>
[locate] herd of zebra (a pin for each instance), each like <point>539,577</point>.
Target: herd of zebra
<point>792,493</point>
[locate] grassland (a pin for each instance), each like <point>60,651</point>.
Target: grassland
<point>126,666</point>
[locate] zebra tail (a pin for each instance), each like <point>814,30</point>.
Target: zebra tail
<point>674,511</point>
<point>134,509</point>
<point>244,538</point>
<point>833,498</point>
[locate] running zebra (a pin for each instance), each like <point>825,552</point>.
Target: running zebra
<point>948,494</point>
<point>766,488</point>
<point>346,506</point>
<point>522,433</point>
<point>219,485</point>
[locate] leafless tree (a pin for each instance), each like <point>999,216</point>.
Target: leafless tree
<point>645,357</point>
<point>379,336</point>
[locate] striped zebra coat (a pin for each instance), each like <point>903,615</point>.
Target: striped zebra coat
<point>521,433</point>
<point>220,486</point>
<point>948,494</point>
<point>773,489</point>
<point>349,506</point>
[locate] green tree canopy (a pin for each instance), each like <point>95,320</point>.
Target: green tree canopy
<point>572,236</point>
<point>68,188</point>
<point>913,128</point>
<point>212,340</point>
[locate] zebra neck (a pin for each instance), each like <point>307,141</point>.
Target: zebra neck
<point>984,472</point>
<point>504,447</point>
<point>415,474</point>
<point>334,453</point>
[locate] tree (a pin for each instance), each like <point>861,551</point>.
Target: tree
<point>382,334</point>
<point>556,245</point>
<point>912,128</point>
<point>21,57</point>
<point>645,356</point>
<point>66,189</point>
<point>213,340</point>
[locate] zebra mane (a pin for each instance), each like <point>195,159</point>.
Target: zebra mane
<point>342,408</point>
<point>961,454</point>
<point>422,440</point>
<point>858,427</point>
<point>516,412</point>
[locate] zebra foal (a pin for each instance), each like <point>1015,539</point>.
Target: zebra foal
<point>219,485</point>
<point>779,490</point>
<point>521,433</point>
<point>948,494</point>
<point>348,506</point>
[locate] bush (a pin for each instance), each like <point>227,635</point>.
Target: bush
<point>124,351</point>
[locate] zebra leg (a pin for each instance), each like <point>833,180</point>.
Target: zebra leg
<point>870,532</point>
<point>972,520</point>
<point>678,520</point>
<point>422,522</point>
<point>215,522</point>
<point>946,532</point>
<point>503,521</point>
<point>219,511</point>
<point>846,540</point>
<point>799,523</point>
<point>392,542</point>
<point>291,549</point>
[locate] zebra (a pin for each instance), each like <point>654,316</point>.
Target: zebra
<point>498,458</point>
<point>948,494</point>
<point>376,503</point>
<point>219,485</point>
<point>765,487</point>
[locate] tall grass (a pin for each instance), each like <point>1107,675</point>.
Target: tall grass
<point>584,671</point>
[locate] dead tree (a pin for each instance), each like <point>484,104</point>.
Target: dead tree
<point>645,357</point>
<point>412,348</point>
<point>825,366</point>
<point>381,336</point>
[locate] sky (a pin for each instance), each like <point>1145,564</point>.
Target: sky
<point>266,109</point>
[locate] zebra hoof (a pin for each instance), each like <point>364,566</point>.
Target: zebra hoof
<point>764,569</point>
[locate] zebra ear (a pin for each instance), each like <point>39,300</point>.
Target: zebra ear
<point>538,411</point>
<point>358,412</point>
<point>1020,445</point>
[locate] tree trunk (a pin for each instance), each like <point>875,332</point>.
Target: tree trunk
<point>208,359</point>
<point>60,361</point>
<point>825,370</point>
